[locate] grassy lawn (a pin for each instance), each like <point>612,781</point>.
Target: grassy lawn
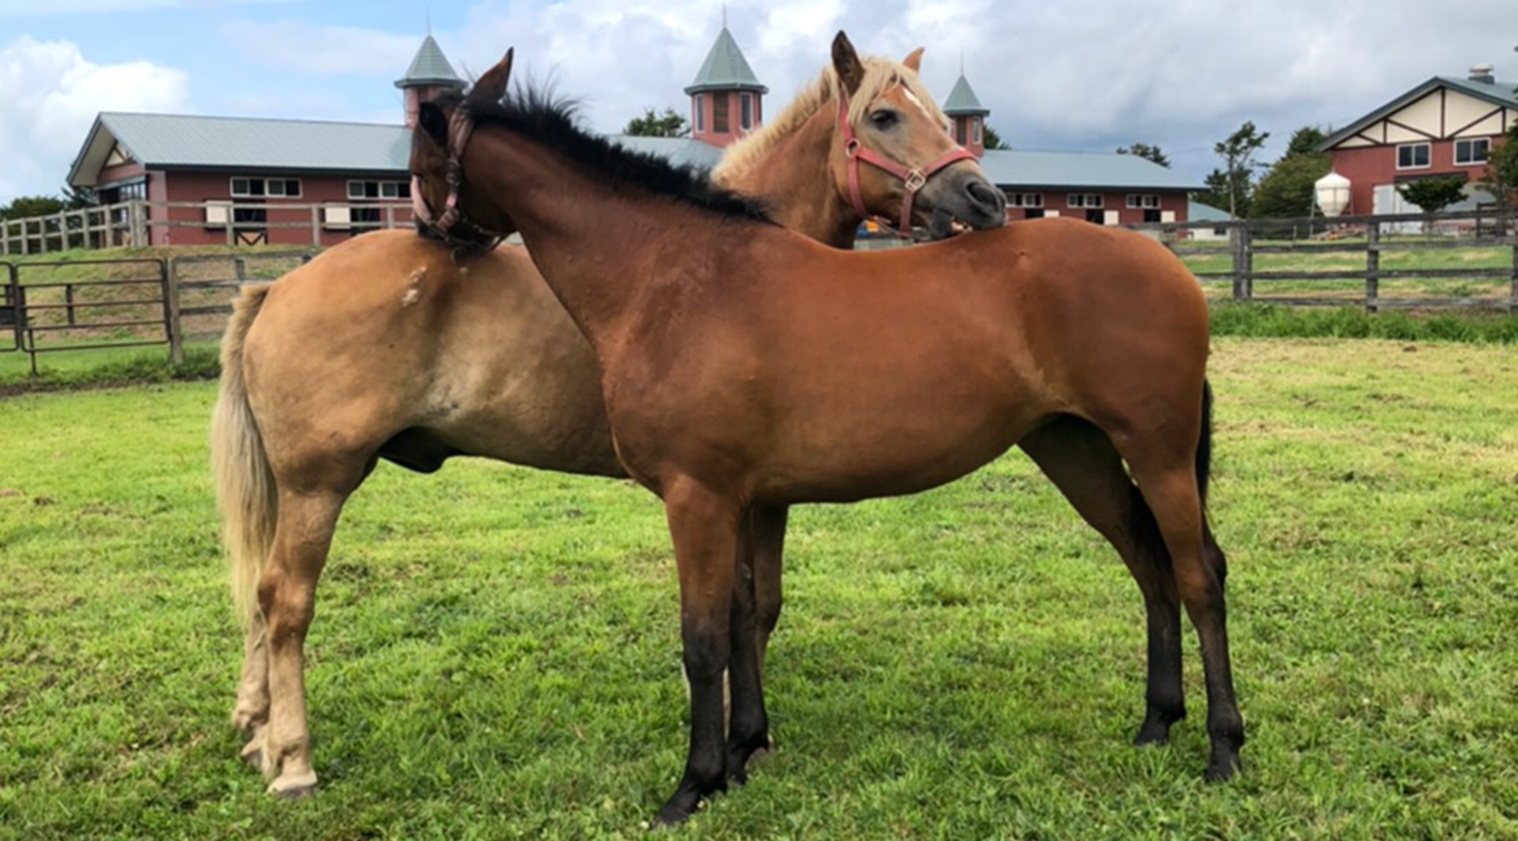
<point>496,651</point>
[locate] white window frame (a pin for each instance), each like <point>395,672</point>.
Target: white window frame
<point>300,188</point>
<point>1426,145</point>
<point>980,137</point>
<point>1470,144</point>
<point>379,188</point>
<point>700,107</point>
<point>1086,201</point>
<point>1143,201</point>
<point>1025,200</point>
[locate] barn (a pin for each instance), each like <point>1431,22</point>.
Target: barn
<point>310,182</point>
<point>1446,126</point>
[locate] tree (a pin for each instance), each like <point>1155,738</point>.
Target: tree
<point>1432,195</point>
<point>26,206</point>
<point>1286,191</point>
<point>1501,178</point>
<point>1236,150</point>
<point>78,198</point>
<point>992,139</point>
<point>1304,141</point>
<point>668,124</point>
<point>1147,152</point>
<point>1216,194</point>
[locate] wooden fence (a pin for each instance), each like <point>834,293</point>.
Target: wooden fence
<point>74,305</point>
<point>133,224</point>
<point>1367,235</point>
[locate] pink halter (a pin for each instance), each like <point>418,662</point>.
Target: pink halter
<point>912,179</point>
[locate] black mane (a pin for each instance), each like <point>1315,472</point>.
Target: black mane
<point>551,121</point>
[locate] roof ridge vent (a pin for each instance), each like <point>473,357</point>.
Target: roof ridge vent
<point>1482,73</point>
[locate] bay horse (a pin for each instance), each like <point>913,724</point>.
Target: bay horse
<point>386,347</point>
<point>746,365</point>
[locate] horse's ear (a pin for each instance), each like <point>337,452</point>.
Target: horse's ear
<point>913,61</point>
<point>846,62</point>
<point>492,86</point>
<point>432,120</point>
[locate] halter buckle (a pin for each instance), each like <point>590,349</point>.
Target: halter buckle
<point>915,180</point>
<point>852,147</point>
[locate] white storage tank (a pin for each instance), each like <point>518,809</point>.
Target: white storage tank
<point>1332,193</point>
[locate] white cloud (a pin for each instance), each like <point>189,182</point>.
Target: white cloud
<point>325,50</point>
<point>52,94</point>
<point>26,8</point>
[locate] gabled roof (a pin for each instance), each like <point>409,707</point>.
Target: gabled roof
<point>173,141</point>
<point>962,101</point>
<point>1497,93</point>
<point>1080,170</point>
<point>430,67</point>
<point>725,68</point>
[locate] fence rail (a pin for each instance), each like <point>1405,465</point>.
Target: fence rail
<point>63,305</point>
<point>133,223</point>
<point>1483,229</point>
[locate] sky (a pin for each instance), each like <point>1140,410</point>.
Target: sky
<point>1073,75</point>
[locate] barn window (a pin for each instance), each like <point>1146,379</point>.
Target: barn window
<point>1143,201</point>
<point>719,112</point>
<point>960,135</point>
<point>745,111</point>
<point>1413,156</point>
<point>700,113</point>
<point>1086,200</point>
<point>1472,152</point>
<point>1026,200</point>
<point>979,138</point>
<point>255,188</point>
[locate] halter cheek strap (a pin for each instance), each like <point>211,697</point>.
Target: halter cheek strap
<point>460,127</point>
<point>912,179</point>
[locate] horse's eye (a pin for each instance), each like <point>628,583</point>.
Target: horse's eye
<point>883,119</point>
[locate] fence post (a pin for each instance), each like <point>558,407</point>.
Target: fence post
<point>137,224</point>
<point>63,231</point>
<point>5,237</point>
<point>68,300</point>
<point>316,226</point>
<point>1235,245</point>
<point>18,307</point>
<point>1372,266</point>
<point>172,305</point>
<point>1512,304</point>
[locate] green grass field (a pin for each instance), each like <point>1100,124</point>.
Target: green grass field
<point>496,652</point>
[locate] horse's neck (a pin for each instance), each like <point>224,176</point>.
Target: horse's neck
<point>795,182</point>
<point>599,249</point>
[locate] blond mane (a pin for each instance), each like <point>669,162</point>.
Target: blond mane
<point>879,75</point>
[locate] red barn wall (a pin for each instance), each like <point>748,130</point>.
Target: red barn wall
<point>200,187</point>
<point>1059,200</point>
<point>1368,167</point>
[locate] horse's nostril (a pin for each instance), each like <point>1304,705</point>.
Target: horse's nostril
<point>985,195</point>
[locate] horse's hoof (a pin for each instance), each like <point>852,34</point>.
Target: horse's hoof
<point>1152,735</point>
<point>253,752</point>
<point>1224,769</point>
<point>293,786</point>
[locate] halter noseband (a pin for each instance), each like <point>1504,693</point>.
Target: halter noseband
<point>460,127</point>
<point>912,179</point>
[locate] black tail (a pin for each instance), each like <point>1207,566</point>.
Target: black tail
<point>1204,445</point>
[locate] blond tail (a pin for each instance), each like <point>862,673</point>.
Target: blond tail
<point>245,489</point>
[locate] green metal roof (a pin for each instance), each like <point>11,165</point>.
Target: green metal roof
<point>962,101</point>
<point>430,67</point>
<point>170,141</point>
<point>1011,169</point>
<point>725,68</point>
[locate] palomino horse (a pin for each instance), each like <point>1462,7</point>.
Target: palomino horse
<point>384,347</point>
<point>744,364</point>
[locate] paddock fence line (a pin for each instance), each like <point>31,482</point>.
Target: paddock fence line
<point>77,305</point>
<point>139,223</point>
<point>1310,252</point>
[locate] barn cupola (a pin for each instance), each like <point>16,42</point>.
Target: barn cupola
<point>726,99</point>
<point>429,75</point>
<point>969,116</point>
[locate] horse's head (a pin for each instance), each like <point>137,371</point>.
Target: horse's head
<point>893,155</point>
<point>444,206</point>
